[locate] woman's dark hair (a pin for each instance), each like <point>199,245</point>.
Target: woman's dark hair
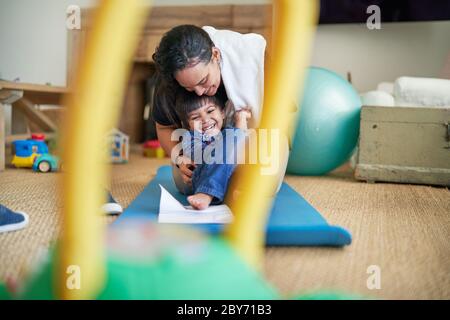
<point>181,47</point>
<point>186,102</point>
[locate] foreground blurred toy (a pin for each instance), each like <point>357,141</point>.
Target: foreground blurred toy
<point>33,153</point>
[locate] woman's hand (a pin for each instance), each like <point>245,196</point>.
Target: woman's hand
<point>241,117</point>
<point>186,167</point>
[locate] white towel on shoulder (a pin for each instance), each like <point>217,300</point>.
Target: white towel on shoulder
<point>242,68</point>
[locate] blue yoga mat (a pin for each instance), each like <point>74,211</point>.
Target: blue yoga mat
<point>292,222</point>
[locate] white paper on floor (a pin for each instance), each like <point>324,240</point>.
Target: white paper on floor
<point>172,211</point>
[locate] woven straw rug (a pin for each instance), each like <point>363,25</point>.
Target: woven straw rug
<point>402,229</point>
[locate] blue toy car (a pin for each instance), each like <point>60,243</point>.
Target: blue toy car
<point>34,154</point>
<point>46,163</point>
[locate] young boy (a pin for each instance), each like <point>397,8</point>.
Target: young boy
<point>206,145</point>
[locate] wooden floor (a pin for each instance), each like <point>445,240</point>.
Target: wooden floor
<point>404,230</point>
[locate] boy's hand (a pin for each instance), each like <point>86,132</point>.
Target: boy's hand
<point>241,117</point>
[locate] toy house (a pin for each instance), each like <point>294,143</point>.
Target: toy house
<point>119,146</point>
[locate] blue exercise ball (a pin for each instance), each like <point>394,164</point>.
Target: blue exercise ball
<point>328,124</point>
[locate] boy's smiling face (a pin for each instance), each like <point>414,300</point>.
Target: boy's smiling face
<point>208,119</point>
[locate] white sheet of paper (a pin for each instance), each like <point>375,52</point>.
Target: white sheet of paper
<point>172,211</point>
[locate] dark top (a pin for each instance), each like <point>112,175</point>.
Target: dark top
<point>163,111</point>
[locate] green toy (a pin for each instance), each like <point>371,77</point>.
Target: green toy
<point>164,262</point>
<point>167,263</point>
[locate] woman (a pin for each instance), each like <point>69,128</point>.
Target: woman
<point>209,62</point>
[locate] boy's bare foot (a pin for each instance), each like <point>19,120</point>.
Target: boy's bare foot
<point>200,201</point>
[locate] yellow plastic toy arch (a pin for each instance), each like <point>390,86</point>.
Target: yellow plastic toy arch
<point>93,109</point>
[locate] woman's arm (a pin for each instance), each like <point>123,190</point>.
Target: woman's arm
<point>164,133</point>
<point>184,163</point>
<point>241,118</point>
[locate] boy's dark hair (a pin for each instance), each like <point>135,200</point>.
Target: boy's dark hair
<point>181,47</point>
<point>186,102</point>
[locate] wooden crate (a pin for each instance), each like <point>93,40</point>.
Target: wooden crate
<point>404,144</point>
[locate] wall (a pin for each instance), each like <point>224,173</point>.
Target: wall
<point>33,37</point>
<point>32,47</point>
<point>414,49</point>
